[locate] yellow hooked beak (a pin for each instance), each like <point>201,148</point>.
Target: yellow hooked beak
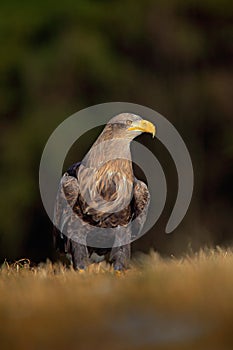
<point>143,126</point>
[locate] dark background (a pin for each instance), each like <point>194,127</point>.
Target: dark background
<point>172,56</point>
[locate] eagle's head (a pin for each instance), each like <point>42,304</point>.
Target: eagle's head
<point>128,126</point>
<point>114,141</point>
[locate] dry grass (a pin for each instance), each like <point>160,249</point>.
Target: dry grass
<point>162,304</point>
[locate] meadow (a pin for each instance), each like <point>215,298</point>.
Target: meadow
<point>184,303</point>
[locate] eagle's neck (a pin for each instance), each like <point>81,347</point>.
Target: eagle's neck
<point>106,151</point>
<point>105,174</point>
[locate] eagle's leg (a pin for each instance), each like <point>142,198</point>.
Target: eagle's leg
<point>79,253</point>
<point>120,257</point>
<point>120,253</point>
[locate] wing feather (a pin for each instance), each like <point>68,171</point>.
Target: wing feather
<point>140,204</point>
<point>67,195</point>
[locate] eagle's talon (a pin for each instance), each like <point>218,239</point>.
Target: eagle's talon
<point>118,273</point>
<point>81,271</point>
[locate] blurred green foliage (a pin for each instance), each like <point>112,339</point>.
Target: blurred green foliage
<point>57,58</point>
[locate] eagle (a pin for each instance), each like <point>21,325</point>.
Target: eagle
<point>101,206</point>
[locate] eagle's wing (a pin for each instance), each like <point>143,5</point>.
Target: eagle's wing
<point>140,204</point>
<point>67,195</point>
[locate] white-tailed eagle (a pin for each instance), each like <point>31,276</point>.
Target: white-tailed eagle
<point>101,206</point>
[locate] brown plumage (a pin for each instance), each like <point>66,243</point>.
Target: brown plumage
<point>101,207</point>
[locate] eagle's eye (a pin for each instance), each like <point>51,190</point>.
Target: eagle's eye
<point>128,122</point>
